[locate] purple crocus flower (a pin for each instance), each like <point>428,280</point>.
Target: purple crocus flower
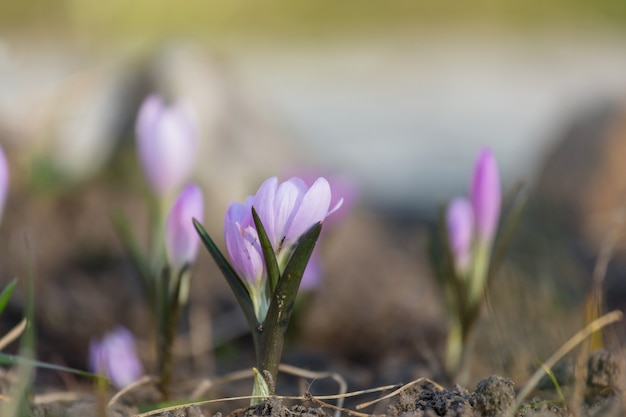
<point>287,211</point>
<point>485,195</point>
<point>181,239</point>
<point>460,225</point>
<point>166,142</point>
<point>4,180</point>
<point>115,357</point>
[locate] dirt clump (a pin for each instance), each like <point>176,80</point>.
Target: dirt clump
<point>273,407</point>
<point>493,396</point>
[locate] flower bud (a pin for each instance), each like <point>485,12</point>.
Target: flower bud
<point>485,195</point>
<point>166,142</point>
<point>115,357</point>
<point>181,239</point>
<point>460,225</point>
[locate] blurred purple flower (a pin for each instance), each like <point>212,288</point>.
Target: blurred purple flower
<point>181,239</point>
<point>166,142</point>
<point>485,195</point>
<point>460,225</point>
<point>115,357</point>
<point>4,180</point>
<point>312,277</point>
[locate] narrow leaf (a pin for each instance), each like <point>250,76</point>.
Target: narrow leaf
<point>6,294</point>
<point>282,300</point>
<point>138,261</point>
<point>6,359</point>
<point>236,284</point>
<point>271,264</point>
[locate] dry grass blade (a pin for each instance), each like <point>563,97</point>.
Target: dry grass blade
<point>201,403</point>
<point>398,391</point>
<point>574,341</point>
<point>304,373</point>
<point>140,382</point>
<point>337,409</point>
<point>13,334</point>
<point>53,397</point>
<point>207,384</point>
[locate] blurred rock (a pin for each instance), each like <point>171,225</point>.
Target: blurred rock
<point>582,192</point>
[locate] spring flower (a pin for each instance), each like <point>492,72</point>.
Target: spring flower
<point>485,195</point>
<point>181,239</point>
<point>4,180</point>
<point>287,211</point>
<point>115,357</point>
<point>460,225</point>
<point>166,142</point>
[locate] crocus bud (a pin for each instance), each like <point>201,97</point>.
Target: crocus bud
<point>460,225</point>
<point>242,242</point>
<point>181,239</point>
<point>485,195</point>
<point>166,142</point>
<point>290,209</point>
<point>4,180</point>
<point>115,357</point>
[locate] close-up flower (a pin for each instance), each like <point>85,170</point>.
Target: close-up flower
<point>460,228</point>
<point>289,209</point>
<point>485,195</point>
<point>115,357</point>
<point>166,143</point>
<point>4,180</point>
<point>181,239</point>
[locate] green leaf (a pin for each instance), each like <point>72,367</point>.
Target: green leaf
<point>6,359</point>
<point>138,261</point>
<point>236,284</point>
<point>289,282</point>
<point>271,264</point>
<point>6,294</point>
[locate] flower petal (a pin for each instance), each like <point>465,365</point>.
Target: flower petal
<point>313,209</point>
<point>264,204</point>
<point>288,196</point>
<point>182,241</point>
<point>486,195</point>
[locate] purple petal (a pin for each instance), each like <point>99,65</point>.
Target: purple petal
<point>459,222</point>
<point>182,241</point>
<point>485,195</point>
<point>264,204</point>
<point>313,209</point>
<point>244,251</point>
<point>166,142</point>
<point>115,357</point>
<point>288,197</point>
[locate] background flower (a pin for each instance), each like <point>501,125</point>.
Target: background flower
<point>166,142</point>
<point>181,239</point>
<point>460,227</point>
<point>115,357</point>
<point>485,195</point>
